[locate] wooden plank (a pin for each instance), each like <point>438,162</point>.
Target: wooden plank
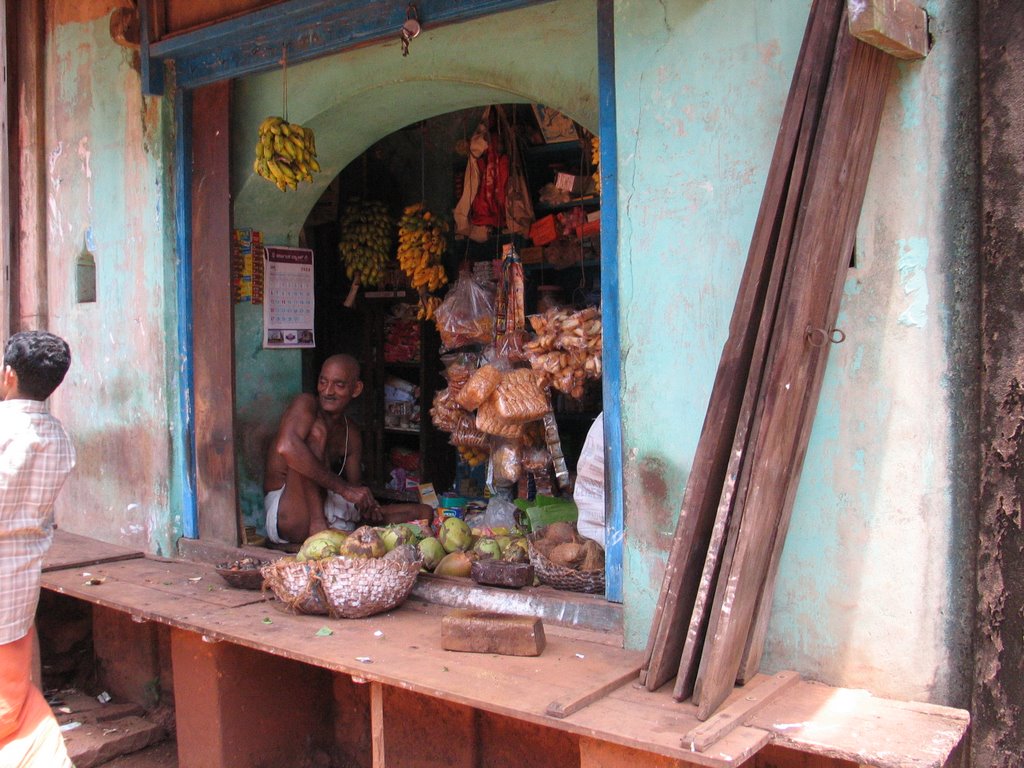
<point>69,550</point>
<point>213,317</point>
<point>734,492</point>
<point>898,27</point>
<point>755,696</point>
<point>567,705</point>
<point>685,575</point>
<point>837,179</point>
<point>148,587</point>
<point>377,725</point>
<point>854,725</point>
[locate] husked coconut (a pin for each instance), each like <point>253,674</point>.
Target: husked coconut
<point>559,533</point>
<point>567,555</point>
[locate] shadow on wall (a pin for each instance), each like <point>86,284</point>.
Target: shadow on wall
<point>255,426</point>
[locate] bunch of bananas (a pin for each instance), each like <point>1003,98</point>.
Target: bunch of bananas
<point>595,161</point>
<point>365,242</point>
<point>473,456</point>
<point>422,242</point>
<point>285,153</point>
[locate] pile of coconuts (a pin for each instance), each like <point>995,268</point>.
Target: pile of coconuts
<point>562,544</point>
<point>450,553</point>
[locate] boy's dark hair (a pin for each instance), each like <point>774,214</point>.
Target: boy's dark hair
<point>40,359</point>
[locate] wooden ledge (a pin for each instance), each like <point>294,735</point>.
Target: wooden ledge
<point>578,685</point>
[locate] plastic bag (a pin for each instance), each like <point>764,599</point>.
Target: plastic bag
<point>520,397</point>
<point>506,465</point>
<point>466,435</point>
<point>466,316</point>
<point>500,513</point>
<point>490,421</point>
<point>479,387</point>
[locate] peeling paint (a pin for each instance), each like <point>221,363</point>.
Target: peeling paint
<point>912,265</point>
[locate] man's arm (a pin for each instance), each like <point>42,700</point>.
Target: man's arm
<point>354,474</point>
<point>292,444</point>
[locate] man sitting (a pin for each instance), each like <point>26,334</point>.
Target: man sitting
<point>303,494</point>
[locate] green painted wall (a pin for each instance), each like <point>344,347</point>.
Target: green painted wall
<point>108,190</point>
<point>874,584</point>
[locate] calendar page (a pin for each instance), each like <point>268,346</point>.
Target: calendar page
<point>288,298</point>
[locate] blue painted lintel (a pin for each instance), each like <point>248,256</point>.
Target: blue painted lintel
<point>302,30</point>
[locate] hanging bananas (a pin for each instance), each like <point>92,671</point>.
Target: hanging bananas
<point>473,456</point>
<point>285,153</point>
<point>366,241</point>
<point>422,242</point>
<point>595,161</point>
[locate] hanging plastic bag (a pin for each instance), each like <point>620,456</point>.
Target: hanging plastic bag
<point>466,316</point>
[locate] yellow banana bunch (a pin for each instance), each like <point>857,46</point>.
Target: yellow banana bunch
<point>366,240</point>
<point>473,456</point>
<point>285,153</point>
<point>595,161</point>
<point>422,242</point>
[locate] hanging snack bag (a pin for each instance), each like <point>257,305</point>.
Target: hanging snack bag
<point>506,463</point>
<point>479,387</point>
<point>466,435</point>
<point>489,420</point>
<point>466,316</point>
<point>520,396</point>
<point>445,413</point>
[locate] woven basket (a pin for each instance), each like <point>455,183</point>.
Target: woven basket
<point>297,585</point>
<point>560,577</point>
<point>357,588</point>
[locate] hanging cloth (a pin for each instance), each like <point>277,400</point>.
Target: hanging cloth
<point>478,145</point>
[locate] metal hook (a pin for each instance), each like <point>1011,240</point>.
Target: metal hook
<point>411,28</point>
<point>819,337</point>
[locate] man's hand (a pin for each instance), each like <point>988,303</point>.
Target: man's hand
<point>360,496</point>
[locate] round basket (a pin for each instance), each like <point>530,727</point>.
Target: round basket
<point>354,588</point>
<point>297,585</point>
<point>242,574</point>
<point>560,577</point>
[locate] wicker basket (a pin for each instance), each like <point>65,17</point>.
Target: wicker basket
<point>560,577</point>
<point>357,588</point>
<point>297,585</point>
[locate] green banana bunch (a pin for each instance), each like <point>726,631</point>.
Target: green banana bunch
<point>285,153</point>
<point>366,241</point>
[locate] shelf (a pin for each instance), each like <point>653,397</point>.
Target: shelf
<point>403,430</point>
<point>585,202</point>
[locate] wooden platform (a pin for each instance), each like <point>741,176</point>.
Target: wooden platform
<point>586,681</point>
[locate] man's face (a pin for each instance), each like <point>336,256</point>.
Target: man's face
<point>337,385</point>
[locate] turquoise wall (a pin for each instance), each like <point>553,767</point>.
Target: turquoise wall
<point>107,189</point>
<point>874,588</point>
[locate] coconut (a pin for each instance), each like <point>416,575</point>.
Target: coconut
<point>559,533</point>
<point>363,542</point>
<point>419,532</point>
<point>487,548</point>
<point>593,556</point>
<point>454,564</point>
<point>404,553</point>
<point>568,555</point>
<point>394,535</point>
<point>321,545</point>
<point>455,535</point>
<point>517,551</point>
<point>432,552</point>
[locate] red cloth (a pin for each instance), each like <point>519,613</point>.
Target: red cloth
<point>29,734</point>
<point>488,209</point>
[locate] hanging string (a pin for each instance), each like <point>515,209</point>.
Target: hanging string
<point>284,79</point>
<point>423,162</point>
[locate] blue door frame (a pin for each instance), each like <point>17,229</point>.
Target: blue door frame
<point>307,29</point>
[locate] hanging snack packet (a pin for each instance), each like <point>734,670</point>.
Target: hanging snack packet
<point>520,397</point>
<point>479,387</point>
<point>466,316</point>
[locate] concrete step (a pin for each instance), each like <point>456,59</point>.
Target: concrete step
<point>96,732</point>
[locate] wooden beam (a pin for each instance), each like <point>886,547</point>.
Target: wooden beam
<point>836,182</point>
<point>254,42</point>
<point>212,316</point>
<point>566,705</point>
<point>377,724</point>
<point>898,27</point>
<point>754,697</point>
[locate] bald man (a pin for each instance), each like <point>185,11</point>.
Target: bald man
<point>313,476</point>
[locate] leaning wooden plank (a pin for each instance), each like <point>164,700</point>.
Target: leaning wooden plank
<point>756,695</point>
<point>700,499</point>
<point>836,186</point>
<point>566,705</point>
<point>898,27</point>
<point>823,27</point>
